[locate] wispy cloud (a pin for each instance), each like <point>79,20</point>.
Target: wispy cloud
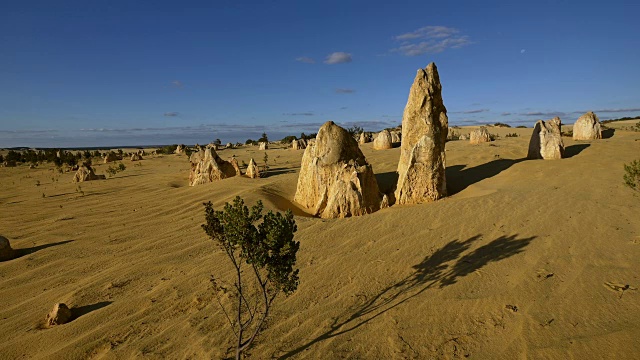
<point>608,110</point>
<point>171,114</point>
<point>430,39</point>
<point>474,111</point>
<point>344,108</point>
<point>505,114</point>
<point>177,83</point>
<point>544,114</point>
<point>299,114</point>
<point>338,58</point>
<point>304,59</point>
<point>345,91</point>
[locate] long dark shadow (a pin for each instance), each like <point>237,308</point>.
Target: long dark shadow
<point>608,133</point>
<point>459,177</point>
<point>436,270</point>
<point>22,252</point>
<point>76,312</point>
<point>573,150</point>
<point>387,181</point>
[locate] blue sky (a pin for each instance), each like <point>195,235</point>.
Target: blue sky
<point>83,73</point>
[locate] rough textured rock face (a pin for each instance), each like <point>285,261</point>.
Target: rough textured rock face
<point>395,137</point>
<point>421,169</point>
<point>335,179</point>
<point>60,314</point>
<point>298,144</point>
<point>6,252</point>
<point>85,173</point>
<point>364,138</point>
<point>546,140</point>
<point>383,141</point>
<point>252,170</point>
<point>229,146</point>
<point>234,163</point>
<point>206,167</point>
<point>179,150</point>
<point>136,157</point>
<point>587,127</point>
<point>111,157</point>
<point>463,137</point>
<point>480,135</point>
<point>263,146</point>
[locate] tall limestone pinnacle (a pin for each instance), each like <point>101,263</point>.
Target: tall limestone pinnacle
<point>425,127</point>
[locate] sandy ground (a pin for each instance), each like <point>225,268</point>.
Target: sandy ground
<point>513,265</point>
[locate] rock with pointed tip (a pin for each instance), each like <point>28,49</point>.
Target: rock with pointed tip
<point>61,314</point>
<point>421,169</point>
<point>207,166</point>
<point>252,170</point>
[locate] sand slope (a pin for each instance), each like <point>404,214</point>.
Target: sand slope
<point>439,280</point>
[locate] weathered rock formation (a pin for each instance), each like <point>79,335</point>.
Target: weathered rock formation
<point>383,141</point>
<point>395,137</point>
<point>335,179</point>
<point>85,173</point>
<point>587,127</point>
<point>136,157</point>
<point>463,137</point>
<point>421,169</point>
<point>252,170</point>
<point>179,150</point>
<point>364,138</point>
<point>229,146</point>
<point>234,163</point>
<point>111,157</point>
<point>6,252</point>
<point>480,135</point>
<point>60,314</point>
<point>263,145</point>
<point>299,144</point>
<point>207,166</point>
<point>546,140</point>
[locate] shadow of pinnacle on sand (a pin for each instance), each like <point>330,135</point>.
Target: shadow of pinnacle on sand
<point>79,311</point>
<point>459,177</point>
<point>27,251</point>
<point>573,150</point>
<point>440,269</point>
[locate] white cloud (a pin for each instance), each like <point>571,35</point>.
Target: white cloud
<point>177,83</point>
<point>430,39</point>
<point>338,58</point>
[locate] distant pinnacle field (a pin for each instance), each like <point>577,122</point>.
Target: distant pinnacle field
<point>523,259</point>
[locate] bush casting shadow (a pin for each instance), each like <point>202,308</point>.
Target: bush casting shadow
<point>435,271</point>
<point>76,312</point>
<point>573,150</point>
<point>460,177</point>
<point>22,252</point>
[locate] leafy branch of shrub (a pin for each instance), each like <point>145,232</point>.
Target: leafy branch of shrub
<point>263,258</point>
<point>632,175</point>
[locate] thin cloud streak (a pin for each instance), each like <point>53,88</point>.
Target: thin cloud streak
<point>304,59</point>
<point>430,39</point>
<point>344,91</point>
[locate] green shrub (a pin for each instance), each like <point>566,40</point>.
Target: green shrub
<point>632,175</point>
<point>512,135</point>
<point>263,257</point>
<point>288,139</point>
